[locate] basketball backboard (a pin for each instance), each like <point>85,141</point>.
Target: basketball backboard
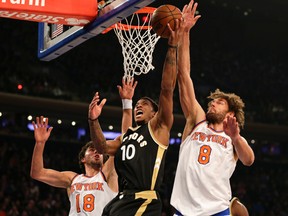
<point>52,46</point>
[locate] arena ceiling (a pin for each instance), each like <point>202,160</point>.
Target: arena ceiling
<point>269,10</point>
<point>275,10</point>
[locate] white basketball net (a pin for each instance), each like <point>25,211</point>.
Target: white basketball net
<point>137,44</point>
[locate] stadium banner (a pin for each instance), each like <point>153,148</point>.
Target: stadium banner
<point>66,12</point>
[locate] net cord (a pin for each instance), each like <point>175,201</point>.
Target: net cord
<point>138,44</point>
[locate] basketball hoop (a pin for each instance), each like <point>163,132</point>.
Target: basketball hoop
<point>138,41</point>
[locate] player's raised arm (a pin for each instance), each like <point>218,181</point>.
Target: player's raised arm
<point>242,149</point>
<point>103,147</point>
<point>126,92</point>
<point>38,171</point>
<point>192,110</point>
<point>162,123</point>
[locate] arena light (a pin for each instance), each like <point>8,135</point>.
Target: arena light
<point>30,127</point>
<point>111,134</point>
<point>81,132</point>
<point>19,87</point>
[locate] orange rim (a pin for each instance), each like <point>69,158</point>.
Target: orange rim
<point>125,27</point>
<point>148,10</point>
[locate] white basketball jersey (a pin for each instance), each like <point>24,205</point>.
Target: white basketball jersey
<point>202,181</point>
<point>89,195</point>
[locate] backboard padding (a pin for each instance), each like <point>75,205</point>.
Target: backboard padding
<point>49,48</point>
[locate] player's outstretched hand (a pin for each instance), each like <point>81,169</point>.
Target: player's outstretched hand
<point>41,129</point>
<point>126,91</point>
<point>231,127</point>
<point>189,15</point>
<point>95,107</point>
<point>176,35</point>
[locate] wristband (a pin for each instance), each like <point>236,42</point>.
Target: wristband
<point>126,103</point>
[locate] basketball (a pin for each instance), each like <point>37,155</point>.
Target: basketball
<point>162,16</point>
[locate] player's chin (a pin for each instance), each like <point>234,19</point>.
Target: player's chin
<point>138,118</point>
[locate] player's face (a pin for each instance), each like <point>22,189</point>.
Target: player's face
<point>217,110</point>
<point>92,157</point>
<point>143,111</point>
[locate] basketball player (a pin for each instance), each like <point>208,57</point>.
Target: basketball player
<point>89,192</point>
<point>140,152</point>
<point>211,142</point>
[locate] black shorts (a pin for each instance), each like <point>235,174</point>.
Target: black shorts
<point>145,203</point>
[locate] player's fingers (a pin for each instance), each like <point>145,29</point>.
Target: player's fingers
<point>181,25</point>
<point>182,22</point>
<point>177,24</point>
<point>124,80</point>
<point>34,125</point>
<point>168,25</point>
<point>46,121</point>
<point>50,129</point>
<point>131,81</point>
<point>194,8</point>
<point>96,93</point>
<point>41,120</point>
<point>37,121</point>
<point>235,121</point>
<point>102,103</point>
<point>232,120</point>
<point>190,5</point>
<point>228,119</point>
<point>196,18</point>
<point>93,103</point>
<point>135,84</point>
<point>96,96</point>
<point>184,8</point>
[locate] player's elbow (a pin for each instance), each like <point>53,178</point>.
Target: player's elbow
<point>34,174</point>
<point>249,160</point>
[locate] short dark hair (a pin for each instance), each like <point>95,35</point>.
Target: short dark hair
<point>81,155</point>
<point>154,104</point>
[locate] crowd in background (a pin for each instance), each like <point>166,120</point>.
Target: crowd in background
<point>236,58</point>
<point>259,80</point>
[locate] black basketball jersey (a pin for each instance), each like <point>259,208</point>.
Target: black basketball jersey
<point>139,161</point>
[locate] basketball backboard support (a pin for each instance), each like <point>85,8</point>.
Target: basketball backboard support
<point>50,48</point>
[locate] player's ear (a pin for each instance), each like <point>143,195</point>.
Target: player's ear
<point>83,160</point>
<point>153,113</point>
